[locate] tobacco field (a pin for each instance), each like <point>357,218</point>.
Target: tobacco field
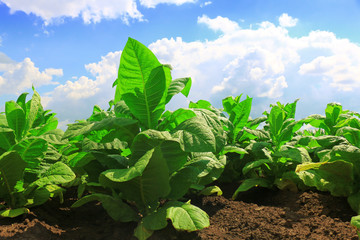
<point>138,171</point>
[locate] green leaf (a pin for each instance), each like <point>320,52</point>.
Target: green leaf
<point>142,83</point>
<point>58,173</point>
<point>276,120</point>
<point>185,216</point>
<point>355,221</point>
<point>182,85</point>
<point>195,135</point>
<point>15,116</point>
<point>12,213</point>
<point>351,134</point>
<point>125,128</point>
<point>233,149</point>
<point>7,138</point>
<point>32,150</point>
<point>141,232</point>
<point>144,183</point>
<point>335,177</point>
<point>11,171</point>
<point>136,65</point>
<point>255,164</point>
<point>35,106</point>
<point>211,190</point>
<point>250,183</point>
<point>115,207</point>
<point>172,120</point>
<point>181,181</point>
<point>354,202</point>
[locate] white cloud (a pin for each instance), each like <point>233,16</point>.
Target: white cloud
<point>265,63</point>
<point>219,24</point>
<point>74,99</point>
<point>286,21</point>
<point>15,77</point>
<point>153,3</point>
<point>90,11</point>
<point>207,3</point>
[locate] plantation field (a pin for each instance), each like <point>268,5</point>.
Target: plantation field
<point>137,171</point>
<point>259,214</point>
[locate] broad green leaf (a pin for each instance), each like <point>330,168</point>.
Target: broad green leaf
<point>116,145</point>
<point>141,232</point>
<point>287,133</point>
<point>330,141</point>
<point>54,137</point>
<point>335,177</point>
<point>213,121</point>
<point>332,112</point>
<point>354,202</point>
<point>156,220</point>
<point>351,134</point>
<point>181,180</point>
<point>259,134</point>
<point>32,150</point>
<point>58,173</point>
<point>212,170</point>
<point>186,217</point>
<point>233,149</point>
<point>142,83</point>
<point>12,213</point>
<point>171,148</point>
<point>125,128</point>
<point>298,155</point>
<point>7,138</point>
<point>195,135</point>
<point>124,175</point>
<point>144,183</point>
<point>211,190</point>
<point>240,114</point>
<point>148,102</point>
<point>182,85</point>
<point>35,105</point>
<point>355,221</point>
<point>115,207</point>
<point>136,65</point>
<point>15,116</point>
<point>11,171</point>
<point>255,164</point>
<point>172,120</point>
<point>22,101</point>
<point>38,197</point>
<point>276,119</point>
<point>290,109</point>
<point>250,183</point>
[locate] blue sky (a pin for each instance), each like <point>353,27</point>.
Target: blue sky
<point>273,51</point>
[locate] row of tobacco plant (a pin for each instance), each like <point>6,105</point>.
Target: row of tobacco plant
<point>141,161</point>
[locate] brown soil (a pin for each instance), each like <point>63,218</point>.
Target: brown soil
<point>257,214</point>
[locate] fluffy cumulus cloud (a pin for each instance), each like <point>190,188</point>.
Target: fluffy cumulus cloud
<point>219,23</point>
<point>287,21</point>
<point>90,11</point>
<point>153,3</point>
<point>71,99</point>
<point>266,63</point>
<point>15,77</point>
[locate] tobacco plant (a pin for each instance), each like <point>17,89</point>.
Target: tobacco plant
<point>139,160</point>
<point>30,170</point>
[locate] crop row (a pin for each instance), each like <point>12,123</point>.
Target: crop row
<point>141,161</point>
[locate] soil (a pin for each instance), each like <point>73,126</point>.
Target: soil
<point>257,214</point>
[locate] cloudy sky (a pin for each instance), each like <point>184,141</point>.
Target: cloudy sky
<point>271,50</point>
